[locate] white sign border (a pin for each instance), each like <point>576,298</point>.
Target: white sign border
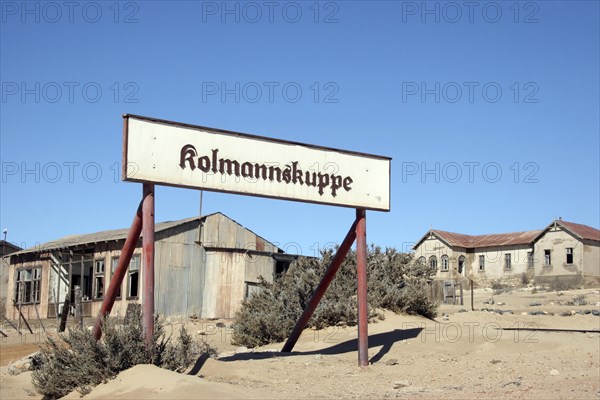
<point>218,131</point>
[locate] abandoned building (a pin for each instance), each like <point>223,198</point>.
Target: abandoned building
<point>6,248</point>
<point>205,267</point>
<point>563,251</point>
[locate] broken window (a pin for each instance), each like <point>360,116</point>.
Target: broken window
<point>461,264</point>
<point>433,262</point>
<point>114,261</point>
<point>507,261</point>
<point>98,279</point>
<point>569,255</point>
<point>251,288</point>
<point>27,285</point>
<point>421,260</point>
<point>445,263</point>
<point>481,262</point>
<point>281,267</point>
<point>547,258</point>
<point>88,279</point>
<point>134,276</point>
<point>530,259</point>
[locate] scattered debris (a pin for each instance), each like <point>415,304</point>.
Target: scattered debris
<point>392,361</point>
<point>516,382</point>
<point>23,364</point>
<point>401,384</point>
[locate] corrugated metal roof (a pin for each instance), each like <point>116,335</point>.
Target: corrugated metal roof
<point>580,230</point>
<point>118,234</point>
<point>492,240</point>
<point>103,236</point>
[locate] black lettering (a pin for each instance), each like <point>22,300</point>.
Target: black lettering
<point>347,182</point>
<point>233,167</point>
<point>204,163</point>
<point>247,170</point>
<point>188,152</point>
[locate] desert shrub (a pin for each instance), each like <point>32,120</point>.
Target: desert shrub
<point>578,300</point>
<point>394,283</point>
<point>76,361</point>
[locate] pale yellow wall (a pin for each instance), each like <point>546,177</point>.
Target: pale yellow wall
<point>591,259</point>
<point>435,247</point>
<point>557,241</point>
<point>494,262</point>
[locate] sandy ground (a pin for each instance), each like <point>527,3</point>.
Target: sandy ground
<point>459,355</point>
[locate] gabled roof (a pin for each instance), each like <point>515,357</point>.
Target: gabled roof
<point>580,231</point>
<point>477,241</point>
<point>7,248</point>
<point>110,235</point>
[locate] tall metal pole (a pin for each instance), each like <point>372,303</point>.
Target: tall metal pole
<point>148,268</point>
<point>361,264</point>
<point>320,290</point>
<point>117,278</point>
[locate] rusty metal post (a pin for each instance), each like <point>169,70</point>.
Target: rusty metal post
<point>361,265</point>
<point>472,306</point>
<point>320,290</point>
<point>117,278</point>
<point>148,266</point>
<point>78,307</point>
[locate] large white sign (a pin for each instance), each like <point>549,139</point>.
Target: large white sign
<point>176,154</point>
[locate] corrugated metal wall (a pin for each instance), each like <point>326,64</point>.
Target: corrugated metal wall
<point>193,281</point>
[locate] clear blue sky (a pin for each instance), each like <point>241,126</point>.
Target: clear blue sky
<point>489,110</point>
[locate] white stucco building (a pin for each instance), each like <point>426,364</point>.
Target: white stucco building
<point>563,250</point>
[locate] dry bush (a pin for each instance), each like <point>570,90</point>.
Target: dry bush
<point>76,361</point>
<point>394,283</point>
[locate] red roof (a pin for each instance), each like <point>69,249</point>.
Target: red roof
<point>580,230</point>
<point>477,241</point>
<point>510,239</point>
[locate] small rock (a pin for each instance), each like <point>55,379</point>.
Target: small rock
<point>462,310</point>
<point>535,304</point>
<point>554,372</point>
<point>401,384</point>
<point>500,303</point>
<point>494,361</point>
<point>491,300</point>
<point>595,312</point>
<point>508,312</point>
<point>565,314</point>
<point>392,361</point>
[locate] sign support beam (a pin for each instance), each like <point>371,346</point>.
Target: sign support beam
<point>117,278</point>
<point>361,265</point>
<point>148,266</point>
<point>335,264</point>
